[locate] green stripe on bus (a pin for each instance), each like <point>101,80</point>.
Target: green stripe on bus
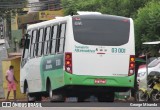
<point>52,68</point>
<point>72,79</point>
<point>60,78</point>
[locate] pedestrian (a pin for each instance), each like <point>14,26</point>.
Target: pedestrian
<point>11,81</point>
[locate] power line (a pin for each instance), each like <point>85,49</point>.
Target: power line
<point>20,1</point>
<point>17,7</point>
<point>32,5</point>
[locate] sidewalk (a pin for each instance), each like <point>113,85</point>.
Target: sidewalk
<point>23,100</point>
<point>19,100</point>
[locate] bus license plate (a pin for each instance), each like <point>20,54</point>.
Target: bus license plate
<point>100,81</point>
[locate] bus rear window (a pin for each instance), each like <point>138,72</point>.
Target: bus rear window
<point>101,30</point>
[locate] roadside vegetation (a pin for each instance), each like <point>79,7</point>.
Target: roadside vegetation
<point>146,15</point>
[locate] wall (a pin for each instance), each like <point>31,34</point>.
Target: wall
<point>3,55</point>
<point>15,61</point>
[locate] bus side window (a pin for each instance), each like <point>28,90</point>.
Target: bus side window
<point>61,39</point>
<point>46,40</point>
<point>33,43</point>
<point>36,43</point>
<point>40,41</point>
<point>26,50</point>
<point>53,39</point>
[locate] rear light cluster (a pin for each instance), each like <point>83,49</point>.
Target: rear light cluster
<point>68,62</point>
<point>131,65</point>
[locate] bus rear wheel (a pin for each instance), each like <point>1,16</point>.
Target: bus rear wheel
<point>81,98</point>
<point>54,97</point>
<point>106,97</point>
<point>29,98</point>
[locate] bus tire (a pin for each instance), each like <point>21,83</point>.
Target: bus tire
<point>106,98</point>
<point>81,99</point>
<point>38,98</point>
<point>54,97</point>
<point>50,93</point>
<point>29,98</point>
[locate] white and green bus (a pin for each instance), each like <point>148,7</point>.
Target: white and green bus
<point>79,56</point>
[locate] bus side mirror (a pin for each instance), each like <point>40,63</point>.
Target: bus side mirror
<point>27,43</point>
<point>27,36</point>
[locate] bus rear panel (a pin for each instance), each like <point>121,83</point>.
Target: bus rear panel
<point>102,52</point>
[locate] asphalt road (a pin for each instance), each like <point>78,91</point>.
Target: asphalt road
<point>84,108</point>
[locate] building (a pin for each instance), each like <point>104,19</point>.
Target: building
<point>3,55</point>
<point>35,11</point>
<point>41,5</point>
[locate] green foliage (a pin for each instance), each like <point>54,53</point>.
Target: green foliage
<point>72,6</point>
<point>147,26</point>
<point>146,15</point>
<point>126,8</point>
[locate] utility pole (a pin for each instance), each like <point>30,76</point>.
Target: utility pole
<point>1,28</point>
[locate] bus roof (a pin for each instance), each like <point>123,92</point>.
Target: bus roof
<point>87,12</point>
<point>59,19</point>
<point>47,22</point>
<point>151,43</point>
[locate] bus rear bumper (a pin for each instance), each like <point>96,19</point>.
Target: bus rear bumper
<point>111,82</point>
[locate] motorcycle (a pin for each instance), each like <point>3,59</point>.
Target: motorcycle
<point>152,93</point>
<point>155,94</point>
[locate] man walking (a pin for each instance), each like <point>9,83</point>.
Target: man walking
<point>11,81</point>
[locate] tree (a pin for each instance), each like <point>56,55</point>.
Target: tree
<point>144,12</point>
<point>126,8</point>
<point>147,26</point>
<point>72,6</point>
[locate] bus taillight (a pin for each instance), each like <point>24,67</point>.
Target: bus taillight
<point>131,65</point>
<point>68,62</point>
